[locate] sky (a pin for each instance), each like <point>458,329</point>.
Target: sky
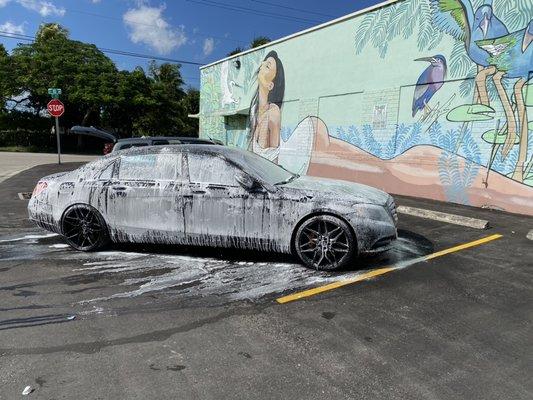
<point>197,31</point>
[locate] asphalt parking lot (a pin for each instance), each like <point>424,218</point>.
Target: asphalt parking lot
<point>167,323</point>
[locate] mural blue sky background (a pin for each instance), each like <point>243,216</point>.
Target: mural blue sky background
<point>196,30</point>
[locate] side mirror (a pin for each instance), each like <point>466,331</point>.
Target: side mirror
<point>246,181</point>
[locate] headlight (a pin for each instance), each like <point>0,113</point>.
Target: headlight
<point>372,211</point>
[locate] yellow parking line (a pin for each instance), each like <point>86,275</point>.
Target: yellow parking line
<point>381,271</point>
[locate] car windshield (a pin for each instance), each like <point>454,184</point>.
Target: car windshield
<point>258,166</point>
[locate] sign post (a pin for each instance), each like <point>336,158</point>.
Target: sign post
<point>56,109</point>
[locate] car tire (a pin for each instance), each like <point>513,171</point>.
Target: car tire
<point>84,228</point>
<point>325,243</point>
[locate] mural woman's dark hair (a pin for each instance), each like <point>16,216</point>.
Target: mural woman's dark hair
<point>278,91</point>
<point>275,96</point>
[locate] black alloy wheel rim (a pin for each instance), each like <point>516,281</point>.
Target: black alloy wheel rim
<point>323,243</point>
<point>82,227</point>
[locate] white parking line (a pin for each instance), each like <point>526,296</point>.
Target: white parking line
<point>444,217</point>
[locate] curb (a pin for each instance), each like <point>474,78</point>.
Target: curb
<point>444,217</point>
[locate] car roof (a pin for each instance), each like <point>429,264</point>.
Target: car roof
<point>151,138</point>
<point>190,148</point>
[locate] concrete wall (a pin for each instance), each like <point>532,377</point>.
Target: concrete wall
<point>389,98</point>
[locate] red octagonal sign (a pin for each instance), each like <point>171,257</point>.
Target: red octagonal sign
<point>55,108</point>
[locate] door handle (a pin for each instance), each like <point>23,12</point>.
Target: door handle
<point>119,188</point>
<point>220,187</point>
<point>198,192</point>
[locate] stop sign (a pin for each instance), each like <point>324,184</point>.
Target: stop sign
<point>55,108</point>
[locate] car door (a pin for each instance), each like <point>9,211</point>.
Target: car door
<point>144,201</point>
<point>216,205</point>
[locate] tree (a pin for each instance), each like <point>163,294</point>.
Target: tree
<point>191,103</point>
<point>259,41</point>
<point>166,115</point>
<point>93,90</point>
<point>235,51</point>
<point>85,75</point>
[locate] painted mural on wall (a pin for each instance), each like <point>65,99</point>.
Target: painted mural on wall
<point>441,107</point>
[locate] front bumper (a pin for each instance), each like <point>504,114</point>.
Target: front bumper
<point>374,227</point>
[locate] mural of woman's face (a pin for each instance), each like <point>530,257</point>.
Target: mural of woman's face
<point>267,73</point>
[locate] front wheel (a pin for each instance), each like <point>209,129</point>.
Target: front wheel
<point>84,228</point>
<point>325,243</point>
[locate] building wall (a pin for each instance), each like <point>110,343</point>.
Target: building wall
<point>388,98</point>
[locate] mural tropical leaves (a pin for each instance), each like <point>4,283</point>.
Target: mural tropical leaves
<point>516,14</point>
<point>401,19</point>
<point>380,27</point>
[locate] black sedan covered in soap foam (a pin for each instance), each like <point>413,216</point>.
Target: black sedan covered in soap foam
<point>213,196</point>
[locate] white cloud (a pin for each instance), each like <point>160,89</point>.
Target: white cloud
<point>209,46</point>
<point>45,8</point>
<point>4,2</point>
<point>148,26</point>
<point>10,27</point>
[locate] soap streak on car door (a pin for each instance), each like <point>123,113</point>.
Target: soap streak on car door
<point>218,211</point>
<point>145,202</point>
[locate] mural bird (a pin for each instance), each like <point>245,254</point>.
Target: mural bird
<point>512,53</point>
<point>429,82</point>
<point>457,17</point>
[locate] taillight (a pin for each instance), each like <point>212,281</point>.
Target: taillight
<point>39,188</point>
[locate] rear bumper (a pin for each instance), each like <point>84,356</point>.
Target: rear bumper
<point>40,214</point>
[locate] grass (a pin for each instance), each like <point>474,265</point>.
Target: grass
<point>25,149</point>
<point>36,149</point>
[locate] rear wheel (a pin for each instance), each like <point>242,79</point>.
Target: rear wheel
<point>325,242</point>
<point>84,228</point>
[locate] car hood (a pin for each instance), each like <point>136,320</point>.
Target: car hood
<point>339,189</point>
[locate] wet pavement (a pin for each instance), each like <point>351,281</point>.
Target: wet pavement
<point>175,322</point>
<point>181,275</point>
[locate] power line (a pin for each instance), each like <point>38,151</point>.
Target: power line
<point>117,52</point>
<point>294,9</point>
<point>152,25</point>
<point>247,10</point>
<point>105,50</point>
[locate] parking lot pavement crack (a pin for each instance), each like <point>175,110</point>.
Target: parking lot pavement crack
<point>152,336</point>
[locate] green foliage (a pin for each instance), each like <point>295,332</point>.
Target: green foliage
<point>235,51</point>
<point>259,41</point>
<point>93,90</point>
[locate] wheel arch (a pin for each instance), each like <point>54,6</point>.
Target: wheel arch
<point>94,209</point>
<point>322,212</point>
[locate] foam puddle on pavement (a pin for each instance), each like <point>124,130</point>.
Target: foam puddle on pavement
<point>134,274</point>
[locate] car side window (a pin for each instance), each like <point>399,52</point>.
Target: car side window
<point>107,172</point>
<point>151,167</point>
<point>211,170</point>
